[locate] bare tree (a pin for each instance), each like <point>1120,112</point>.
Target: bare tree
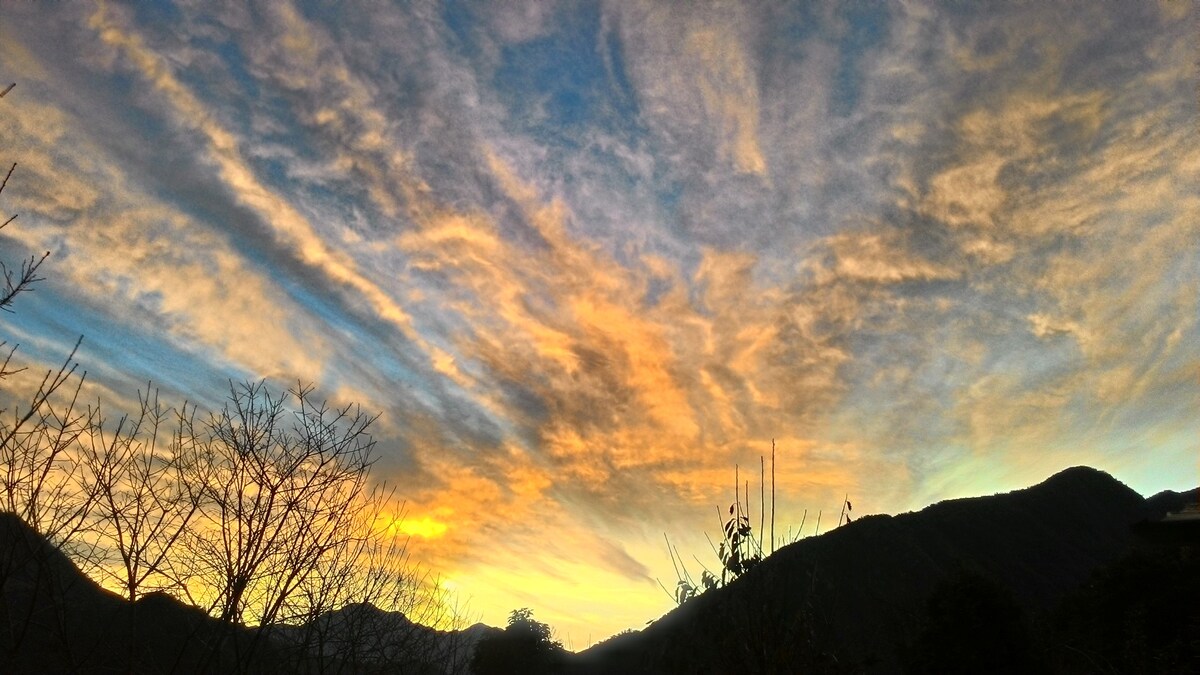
<point>143,504</point>
<point>40,476</point>
<point>279,500</point>
<point>369,609</point>
<point>259,514</point>
<point>39,482</point>
<point>16,282</point>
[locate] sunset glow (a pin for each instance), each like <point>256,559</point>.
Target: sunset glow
<point>425,527</point>
<point>584,259</point>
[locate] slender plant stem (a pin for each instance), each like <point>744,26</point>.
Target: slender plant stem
<point>772,495</point>
<point>762,506</point>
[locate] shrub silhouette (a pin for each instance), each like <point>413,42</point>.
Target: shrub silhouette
<point>1138,615</point>
<point>741,547</point>
<point>525,646</point>
<point>739,552</point>
<point>973,626</point>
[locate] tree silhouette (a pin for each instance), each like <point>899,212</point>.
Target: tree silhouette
<point>261,513</point>
<point>526,646</point>
<point>40,480</point>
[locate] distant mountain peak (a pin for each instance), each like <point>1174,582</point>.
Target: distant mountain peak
<point>1081,480</point>
<point>1080,473</point>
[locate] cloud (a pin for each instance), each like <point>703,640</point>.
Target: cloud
<point>705,90</point>
<point>288,225</point>
<point>142,261</point>
<point>878,257</point>
<point>593,378</point>
<point>522,22</point>
<point>729,95</point>
<point>1045,326</point>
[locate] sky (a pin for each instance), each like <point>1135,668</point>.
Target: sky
<point>584,258</point>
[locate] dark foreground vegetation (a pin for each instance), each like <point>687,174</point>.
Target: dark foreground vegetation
<point>1075,575</point>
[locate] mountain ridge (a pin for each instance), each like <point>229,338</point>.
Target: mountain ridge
<point>854,597</point>
<point>859,598</point>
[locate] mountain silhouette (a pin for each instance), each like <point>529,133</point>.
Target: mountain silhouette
<point>364,637</point>
<point>1076,574</point>
<point>55,619</point>
<point>864,597</point>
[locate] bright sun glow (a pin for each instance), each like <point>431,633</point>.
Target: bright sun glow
<point>426,527</point>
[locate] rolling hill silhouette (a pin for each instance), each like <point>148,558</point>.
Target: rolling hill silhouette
<point>1041,579</point>
<point>55,619</point>
<point>381,641</point>
<point>863,597</point>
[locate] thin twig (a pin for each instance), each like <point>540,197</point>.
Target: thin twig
<point>772,495</point>
<point>9,175</point>
<point>762,499</point>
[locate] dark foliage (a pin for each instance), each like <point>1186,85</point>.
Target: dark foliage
<point>973,625</point>
<point>525,646</point>
<point>1140,615</point>
<point>739,552</point>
